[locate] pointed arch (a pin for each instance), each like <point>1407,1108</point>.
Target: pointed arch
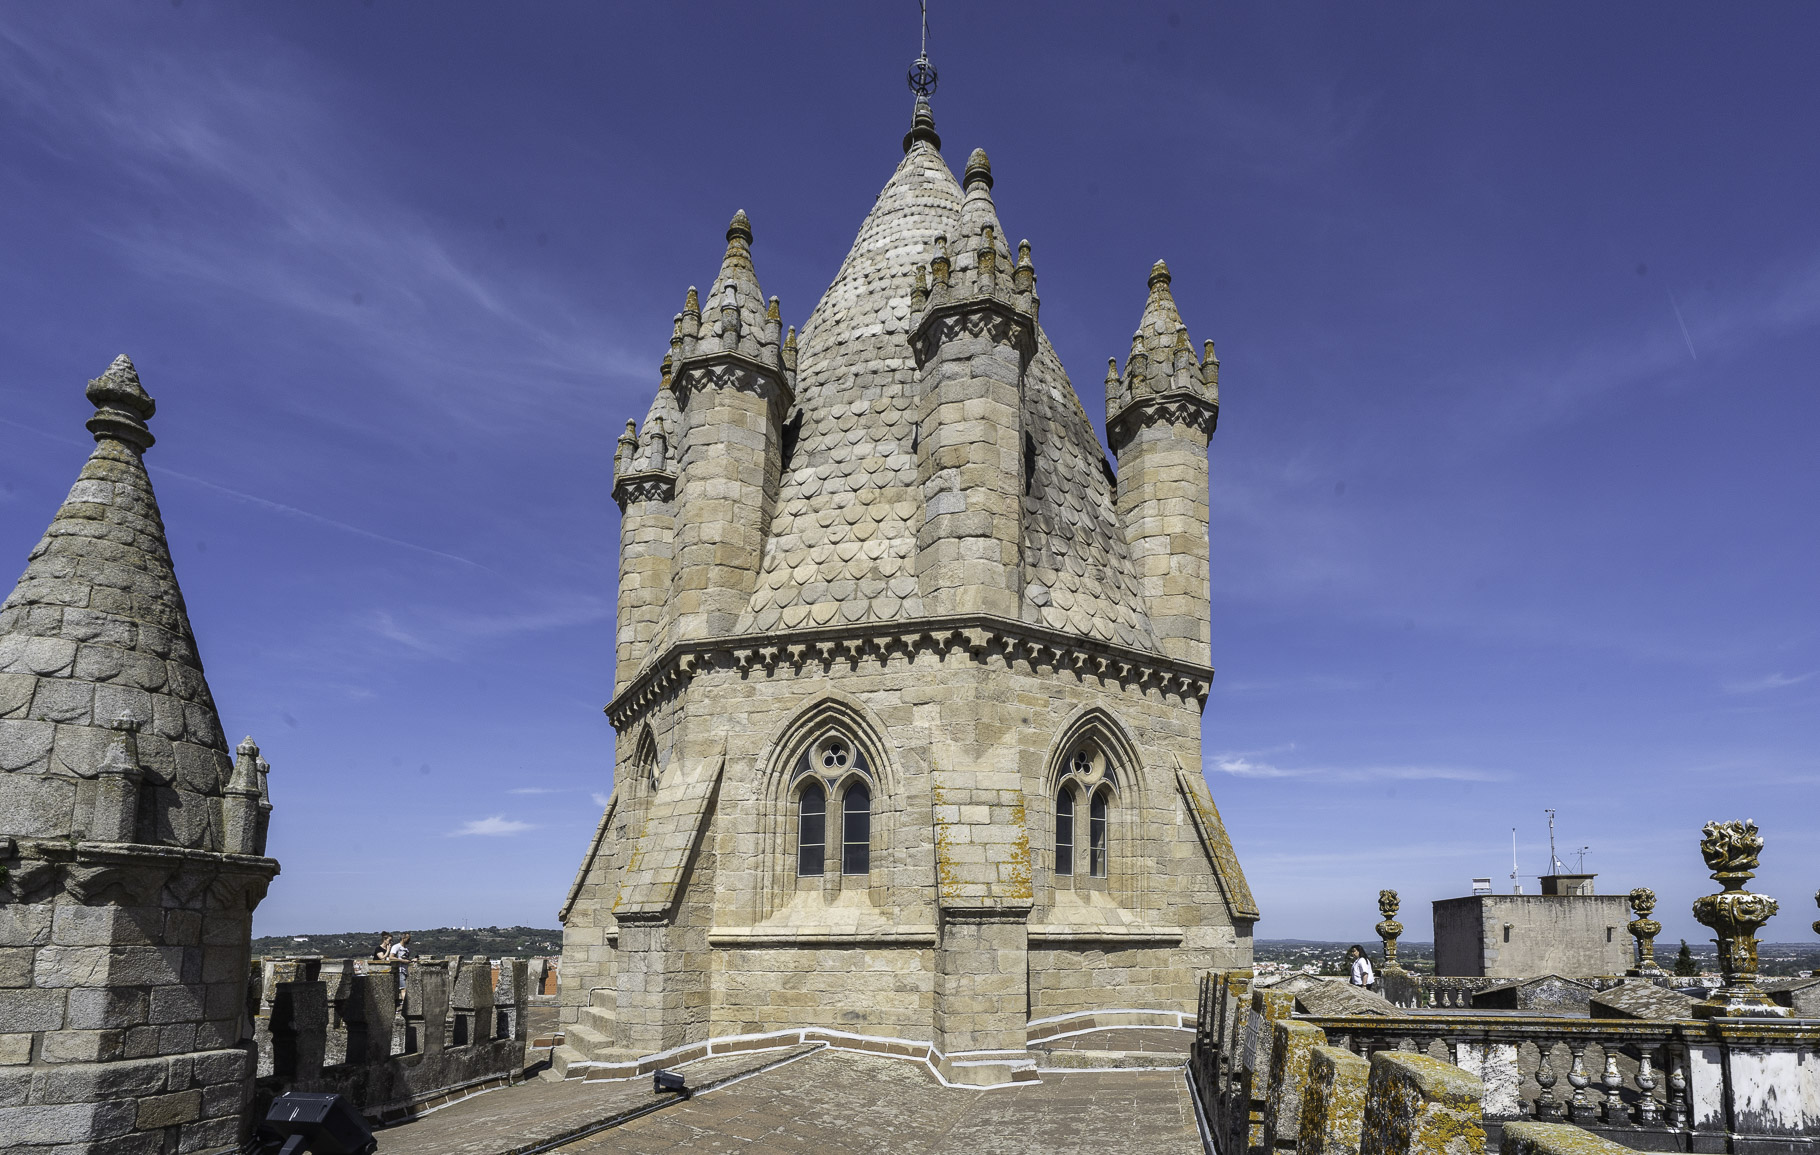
<point>1094,783</point>
<point>644,765</point>
<point>831,713</point>
<point>836,748</point>
<point>1095,725</point>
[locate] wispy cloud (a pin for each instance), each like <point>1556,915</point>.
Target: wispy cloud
<point>293,511</point>
<point>447,635</point>
<point>1248,765</point>
<point>303,224</point>
<point>496,826</point>
<point>601,800</point>
<point>1774,681</point>
<point>534,790</point>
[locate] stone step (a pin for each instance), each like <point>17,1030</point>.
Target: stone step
<point>602,997</point>
<point>561,1059</point>
<point>597,1020</point>
<point>1070,1060</point>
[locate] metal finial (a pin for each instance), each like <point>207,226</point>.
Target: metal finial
<point>922,73</point>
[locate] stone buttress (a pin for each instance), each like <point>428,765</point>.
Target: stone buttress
<point>909,679</point>
<point>132,843</point>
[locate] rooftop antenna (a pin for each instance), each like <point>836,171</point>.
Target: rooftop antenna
<point>1515,886</point>
<point>1580,857</point>
<point>1555,865</point>
<point>922,73</point>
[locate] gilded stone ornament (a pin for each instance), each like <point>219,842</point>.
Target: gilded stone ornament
<point>1735,914</point>
<point>1390,929</point>
<point>1644,929</point>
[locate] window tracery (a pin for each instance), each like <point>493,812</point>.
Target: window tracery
<point>833,768</point>
<point>1087,779</point>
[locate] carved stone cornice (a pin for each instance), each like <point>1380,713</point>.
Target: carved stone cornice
<point>646,485</point>
<point>730,370</point>
<point>1179,407</point>
<point>991,317</point>
<point>132,874</point>
<point>982,637</point>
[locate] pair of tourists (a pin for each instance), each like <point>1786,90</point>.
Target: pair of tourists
<point>399,951</point>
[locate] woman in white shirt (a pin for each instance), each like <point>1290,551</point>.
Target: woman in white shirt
<point>1361,967</point>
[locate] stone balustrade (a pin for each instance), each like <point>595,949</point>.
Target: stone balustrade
<point>349,1026</point>
<point>1680,1084</point>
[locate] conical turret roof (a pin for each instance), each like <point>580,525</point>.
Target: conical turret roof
<point>96,630</point>
<point>842,542</point>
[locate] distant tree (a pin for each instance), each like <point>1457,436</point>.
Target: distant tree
<point>1685,966</point>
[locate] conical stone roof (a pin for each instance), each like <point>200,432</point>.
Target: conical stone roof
<point>96,631</point>
<point>842,542</point>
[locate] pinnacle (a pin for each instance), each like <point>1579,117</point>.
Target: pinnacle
<point>979,168</point>
<point>122,406</point>
<point>741,227</point>
<point>118,387</point>
<point>1159,272</point>
<point>922,127</point>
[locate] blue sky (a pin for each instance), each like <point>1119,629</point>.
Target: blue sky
<point>1514,490</point>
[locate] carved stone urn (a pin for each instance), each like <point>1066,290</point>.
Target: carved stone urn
<point>1644,929</point>
<point>1390,929</point>
<point>1735,914</point>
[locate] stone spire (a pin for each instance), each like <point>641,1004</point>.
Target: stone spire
<point>118,816</point>
<point>736,317</point>
<point>97,660</point>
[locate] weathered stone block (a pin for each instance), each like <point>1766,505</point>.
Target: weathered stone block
<point>92,1082</point>
<point>65,1122</point>
<point>1521,1138</point>
<point>167,1110</point>
<point>82,1046</point>
<point>1417,1104</point>
<point>16,966</point>
<point>105,925</point>
<point>1292,1044</point>
<point>15,1049</point>
<point>97,1008</point>
<point>31,1010</point>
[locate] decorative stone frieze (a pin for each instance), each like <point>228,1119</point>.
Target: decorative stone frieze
<point>980,639</point>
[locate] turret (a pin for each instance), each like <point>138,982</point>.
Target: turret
<point>1160,415</point>
<point>240,802</point>
<point>732,389</point>
<point>644,488</point>
<point>973,337</point>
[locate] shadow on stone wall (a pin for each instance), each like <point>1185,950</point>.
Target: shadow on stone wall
<point>340,1026</point>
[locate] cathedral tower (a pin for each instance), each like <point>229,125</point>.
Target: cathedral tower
<point>910,679</point>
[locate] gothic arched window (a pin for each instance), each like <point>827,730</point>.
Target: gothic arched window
<point>1087,780</point>
<point>856,830</point>
<point>1064,830</point>
<point>811,829</point>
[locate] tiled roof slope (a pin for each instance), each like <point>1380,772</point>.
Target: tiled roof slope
<point>842,544</point>
<point>96,629</point>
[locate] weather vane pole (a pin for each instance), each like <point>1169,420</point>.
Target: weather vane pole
<point>922,73</point>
